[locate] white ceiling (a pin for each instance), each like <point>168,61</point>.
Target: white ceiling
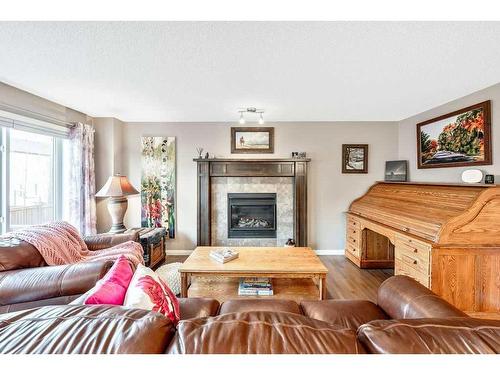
<point>205,71</point>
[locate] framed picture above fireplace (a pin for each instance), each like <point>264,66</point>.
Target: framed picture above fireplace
<point>250,140</point>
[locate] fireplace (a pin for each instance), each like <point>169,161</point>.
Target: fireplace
<point>284,176</point>
<point>251,215</point>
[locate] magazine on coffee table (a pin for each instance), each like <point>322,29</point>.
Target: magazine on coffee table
<point>255,286</point>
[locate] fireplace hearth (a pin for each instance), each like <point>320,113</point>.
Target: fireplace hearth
<point>251,215</point>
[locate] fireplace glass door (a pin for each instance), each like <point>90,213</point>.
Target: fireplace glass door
<point>251,215</point>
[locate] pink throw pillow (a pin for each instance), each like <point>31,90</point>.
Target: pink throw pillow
<point>111,289</point>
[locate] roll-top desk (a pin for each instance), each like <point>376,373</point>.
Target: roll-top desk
<point>446,236</point>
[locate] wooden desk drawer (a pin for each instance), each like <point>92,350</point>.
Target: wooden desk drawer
<point>423,255</point>
<point>412,243</point>
<point>353,250</point>
<point>401,268</point>
<point>354,232</point>
<point>353,221</point>
<point>411,261</point>
<point>354,241</point>
<point>352,257</point>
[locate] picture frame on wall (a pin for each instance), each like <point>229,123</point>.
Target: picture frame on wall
<point>457,139</point>
<point>250,140</point>
<point>396,171</point>
<point>158,183</point>
<point>355,158</point>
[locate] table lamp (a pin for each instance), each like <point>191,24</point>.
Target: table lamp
<point>116,189</point>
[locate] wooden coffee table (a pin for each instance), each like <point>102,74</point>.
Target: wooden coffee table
<point>297,273</point>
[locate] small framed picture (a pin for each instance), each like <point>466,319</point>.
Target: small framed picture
<point>298,155</point>
<point>354,158</point>
<point>396,170</point>
<point>252,140</point>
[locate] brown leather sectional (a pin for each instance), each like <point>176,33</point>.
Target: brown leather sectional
<point>26,281</point>
<point>408,318</point>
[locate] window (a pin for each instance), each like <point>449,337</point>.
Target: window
<point>30,177</point>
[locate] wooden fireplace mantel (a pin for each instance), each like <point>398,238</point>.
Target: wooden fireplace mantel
<point>251,160</point>
<point>278,167</point>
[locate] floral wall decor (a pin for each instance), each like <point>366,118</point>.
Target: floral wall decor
<point>158,183</point>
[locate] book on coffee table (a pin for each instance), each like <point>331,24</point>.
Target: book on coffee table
<point>223,255</point>
<point>255,286</point>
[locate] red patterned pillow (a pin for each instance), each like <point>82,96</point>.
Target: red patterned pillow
<point>147,291</point>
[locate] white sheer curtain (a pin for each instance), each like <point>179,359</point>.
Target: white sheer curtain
<point>79,206</point>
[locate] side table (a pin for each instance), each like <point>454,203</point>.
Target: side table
<point>153,242</point>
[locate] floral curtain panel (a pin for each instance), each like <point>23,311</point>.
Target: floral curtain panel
<point>79,181</point>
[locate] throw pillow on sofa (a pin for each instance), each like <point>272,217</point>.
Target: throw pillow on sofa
<point>148,291</point>
<point>170,274</point>
<point>111,289</point>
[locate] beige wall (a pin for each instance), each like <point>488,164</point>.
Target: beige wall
<point>330,191</point>
<point>108,161</point>
<point>18,99</point>
<point>117,150</point>
<point>407,137</point>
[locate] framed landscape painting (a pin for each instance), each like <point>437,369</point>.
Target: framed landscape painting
<point>457,139</point>
<point>252,140</point>
<point>354,158</point>
<point>158,183</point>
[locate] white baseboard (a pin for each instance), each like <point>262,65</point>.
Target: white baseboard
<point>330,252</point>
<point>179,252</point>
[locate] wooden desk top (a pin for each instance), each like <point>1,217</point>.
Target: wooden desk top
<point>275,260</point>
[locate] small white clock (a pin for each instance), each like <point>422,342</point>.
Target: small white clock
<point>472,176</point>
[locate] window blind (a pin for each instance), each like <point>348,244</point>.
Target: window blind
<point>27,124</point>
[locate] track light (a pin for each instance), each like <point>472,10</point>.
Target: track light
<point>251,111</point>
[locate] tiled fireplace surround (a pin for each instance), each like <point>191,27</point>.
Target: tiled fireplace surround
<point>282,186</point>
<point>287,178</point>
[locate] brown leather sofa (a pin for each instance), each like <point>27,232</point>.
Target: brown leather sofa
<point>26,281</point>
<point>408,318</point>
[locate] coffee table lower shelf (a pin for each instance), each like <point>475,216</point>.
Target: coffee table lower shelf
<point>226,288</point>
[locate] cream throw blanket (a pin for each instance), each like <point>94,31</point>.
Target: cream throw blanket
<point>60,243</point>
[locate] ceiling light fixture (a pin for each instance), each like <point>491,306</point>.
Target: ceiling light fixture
<point>251,110</point>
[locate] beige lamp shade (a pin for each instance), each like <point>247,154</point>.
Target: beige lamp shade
<point>117,186</point>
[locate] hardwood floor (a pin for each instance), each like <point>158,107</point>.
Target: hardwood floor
<point>344,280</point>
